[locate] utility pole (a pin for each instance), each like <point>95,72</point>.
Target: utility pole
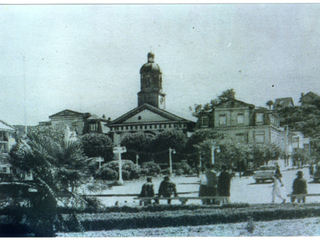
<point>170,160</point>
<point>120,150</point>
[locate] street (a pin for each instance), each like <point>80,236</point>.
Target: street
<point>243,190</point>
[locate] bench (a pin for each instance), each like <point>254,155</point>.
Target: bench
<point>183,200</point>
<point>300,196</point>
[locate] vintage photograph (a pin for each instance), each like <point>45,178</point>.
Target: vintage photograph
<point>160,120</point>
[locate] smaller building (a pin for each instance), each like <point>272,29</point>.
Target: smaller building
<point>242,122</point>
<point>309,98</point>
<point>7,137</point>
<point>283,102</point>
<point>80,123</point>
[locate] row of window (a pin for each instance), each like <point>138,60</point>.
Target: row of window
<point>145,127</point>
<point>259,137</point>
<point>223,119</point>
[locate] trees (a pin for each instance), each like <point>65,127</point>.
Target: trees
<point>269,104</point>
<point>58,166</point>
<point>200,142</point>
<point>174,139</point>
<point>224,96</point>
<point>97,145</point>
<point>138,143</point>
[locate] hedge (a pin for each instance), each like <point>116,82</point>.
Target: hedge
<point>158,216</point>
<point>174,217</point>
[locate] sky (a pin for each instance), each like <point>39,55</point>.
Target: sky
<point>87,58</point>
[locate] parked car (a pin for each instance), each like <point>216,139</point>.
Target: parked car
<point>264,173</point>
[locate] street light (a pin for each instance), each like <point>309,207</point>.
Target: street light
<point>170,160</point>
<point>120,150</point>
<point>213,147</point>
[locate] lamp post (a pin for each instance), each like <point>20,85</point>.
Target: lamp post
<point>120,150</point>
<point>213,147</point>
<point>170,160</point>
<point>137,158</point>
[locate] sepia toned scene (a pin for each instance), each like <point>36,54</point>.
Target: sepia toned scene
<point>189,120</point>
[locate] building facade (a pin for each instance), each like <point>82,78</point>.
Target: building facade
<point>309,98</point>
<point>79,123</point>
<point>150,116</point>
<point>243,122</point>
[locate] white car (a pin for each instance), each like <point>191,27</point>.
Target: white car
<point>264,173</point>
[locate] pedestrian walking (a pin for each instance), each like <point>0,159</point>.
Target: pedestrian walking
<point>299,187</point>
<point>224,183</point>
<point>311,170</point>
<point>212,182</point>
<point>278,174</point>
<point>276,191</point>
<point>167,189</point>
<point>147,190</point>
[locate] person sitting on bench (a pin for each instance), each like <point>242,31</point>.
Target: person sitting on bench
<point>167,189</point>
<point>147,191</point>
<point>299,187</point>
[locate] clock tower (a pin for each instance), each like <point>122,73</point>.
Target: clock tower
<point>151,84</point>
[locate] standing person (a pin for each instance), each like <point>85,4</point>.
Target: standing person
<point>167,188</point>
<point>212,182</point>
<point>147,191</point>
<point>278,174</point>
<point>299,187</point>
<point>276,192</point>
<point>311,170</point>
<point>224,182</point>
<point>203,188</point>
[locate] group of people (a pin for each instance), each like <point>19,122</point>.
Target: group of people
<point>212,185</point>
<point>299,187</point>
<point>166,189</point>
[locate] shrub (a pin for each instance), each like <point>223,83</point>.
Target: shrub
<point>183,168</point>
<point>165,171</point>
<point>125,175</point>
<point>153,168</point>
<point>132,170</point>
<point>106,173</point>
<point>144,171</point>
<point>179,172</point>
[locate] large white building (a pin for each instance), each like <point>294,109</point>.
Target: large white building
<point>150,116</point>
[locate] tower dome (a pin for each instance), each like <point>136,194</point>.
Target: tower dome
<point>150,66</point>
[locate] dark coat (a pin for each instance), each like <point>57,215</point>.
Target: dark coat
<point>224,181</point>
<point>167,188</point>
<point>147,190</point>
<point>299,186</point>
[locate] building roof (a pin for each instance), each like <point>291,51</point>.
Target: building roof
<point>150,66</point>
<point>310,95</point>
<point>68,112</point>
<point>146,106</point>
<point>233,103</point>
<point>283,102</point>
<point>6,126</point>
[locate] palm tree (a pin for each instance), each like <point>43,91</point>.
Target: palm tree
<point>58,168</point>
<point>269,104</point>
